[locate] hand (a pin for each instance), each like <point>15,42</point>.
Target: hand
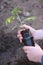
<point>33,53</point>
<point>32,30</point>
<point>37,34</point>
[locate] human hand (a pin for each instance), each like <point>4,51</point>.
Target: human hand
<point>37,34</point>
<point>24,27</point>
<point>33,53</point>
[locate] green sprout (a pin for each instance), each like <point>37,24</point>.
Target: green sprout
<point>16,10</point>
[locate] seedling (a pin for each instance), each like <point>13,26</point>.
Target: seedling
<point>15,15</point>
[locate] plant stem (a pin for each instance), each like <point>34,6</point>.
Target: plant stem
<point>19,19</point>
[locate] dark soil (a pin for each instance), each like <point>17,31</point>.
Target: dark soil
<point>11,52</point>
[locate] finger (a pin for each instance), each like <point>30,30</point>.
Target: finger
<point>25,48</point>
<point>24,26</point>
<point>19,35</point>
<point>19,32</point>
<point>36,45</point>
<point>20,39</point>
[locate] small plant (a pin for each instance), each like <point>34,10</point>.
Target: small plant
<point>15,15</point>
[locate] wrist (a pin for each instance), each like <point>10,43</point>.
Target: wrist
<point>38,34</point>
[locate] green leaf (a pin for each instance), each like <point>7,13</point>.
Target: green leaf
<point>16,10</point>
<point>30,18</point>
<point>9,20</point>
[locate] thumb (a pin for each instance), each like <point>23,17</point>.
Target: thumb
<point>36,45</point>
<point>24,26</point>
<point>25,48</point>
<point>32,30</point>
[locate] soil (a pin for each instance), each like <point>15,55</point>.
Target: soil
<point>11,52</point>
